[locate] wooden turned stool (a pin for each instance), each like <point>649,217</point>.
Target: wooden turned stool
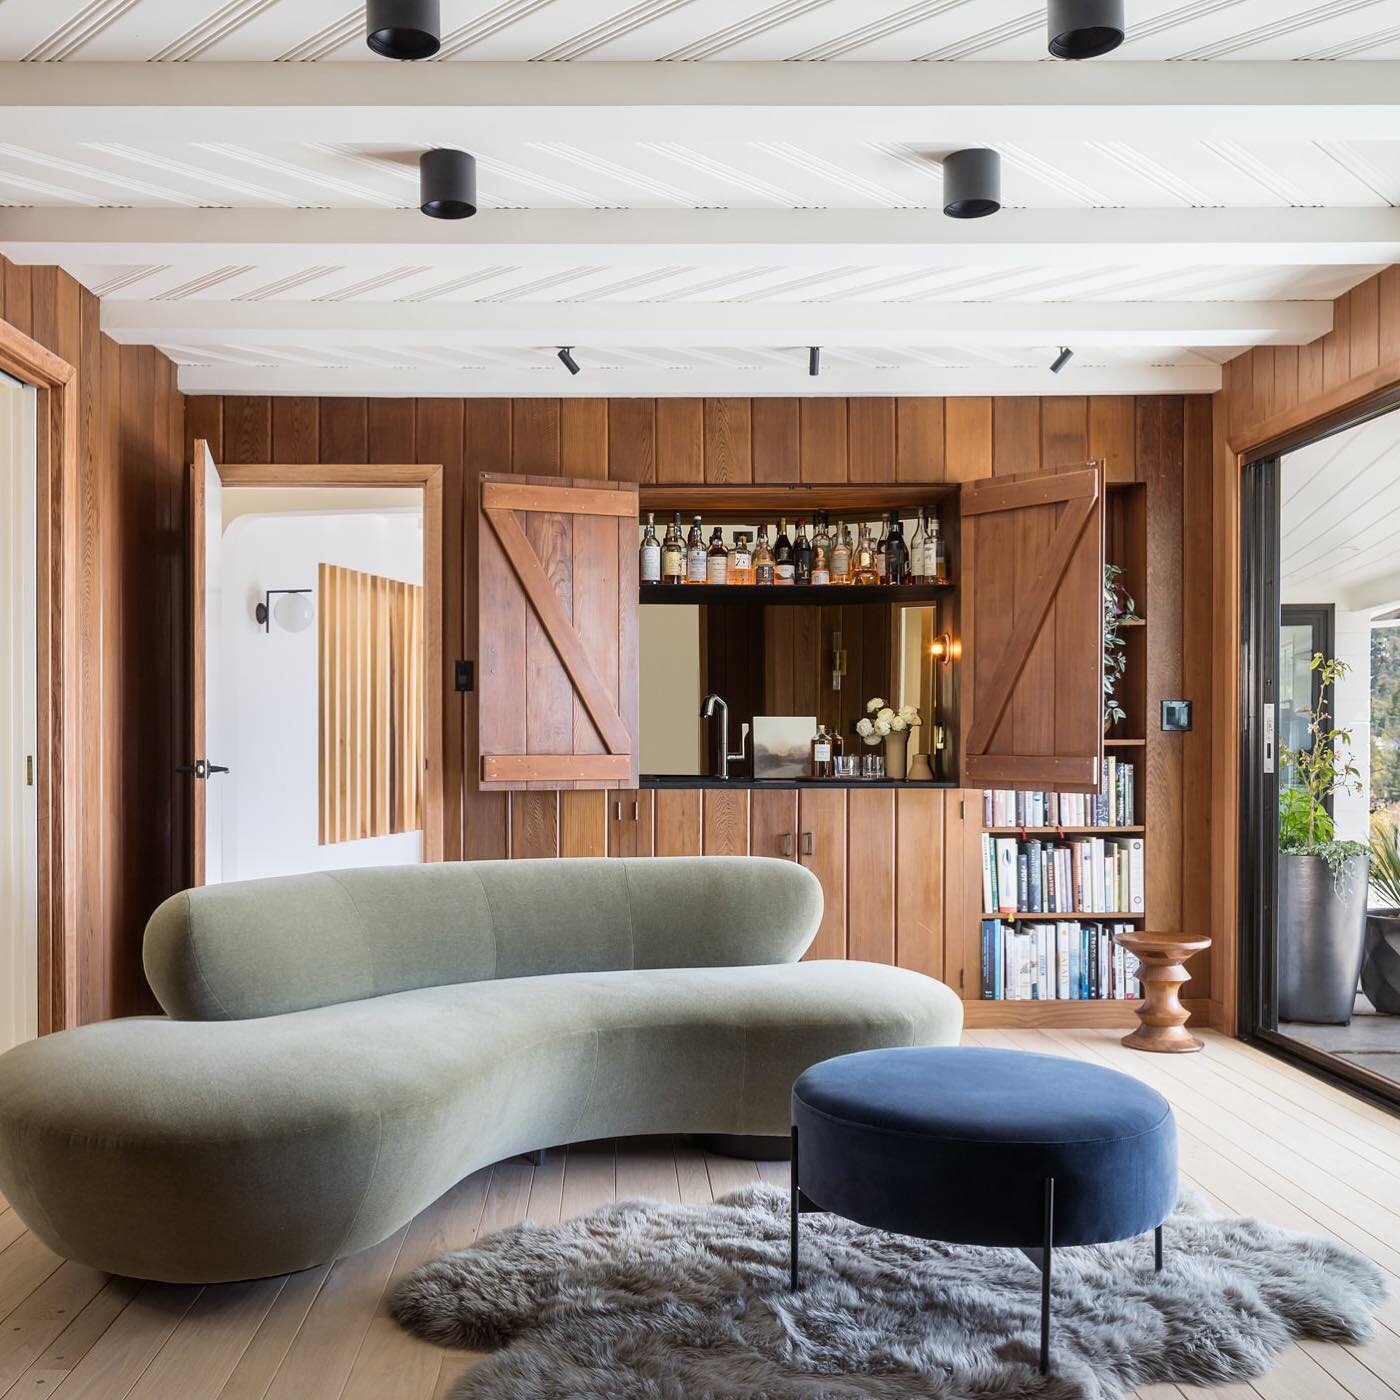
<point>1160,957</point>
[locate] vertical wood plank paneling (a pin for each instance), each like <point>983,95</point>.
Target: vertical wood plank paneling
<point>1285,374</point>
<point>583,438</point>
<point>1365,326</point>
<point>870,883</point>
<point>1015,436</point>
<point>724,822</point>
<point>19,303</point>
<point>535,441</point>
<point>680,440</point>
<point>583,823</point>
<point>534,825</point>
<point>1310,366</point>
<point>1112,428</point>
<point>777,441</point>
<point>677,821</point>
<point>728,441</point>
<point>1388,315</point>
<point>247,429</point>
<point>919,440</point>
<point>595,583</point>
<point>821,820</point>
<point>1336,353</point>
<point>1064,432</point>
<point>296,430</point>
<point>344,430</point>
<point>391,428</point>
<point>824,440</point>
<point>919,855</point>
<point>773,823</point>
<point>967,439</point>
<point>204,419</point>
<point>872,436</point>
<point>630,822</point>
<point>549,700</point>
<point>632,439</point>
<point>488,440</point>
<point>1264,385</point>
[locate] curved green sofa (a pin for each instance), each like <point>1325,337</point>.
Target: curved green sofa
<point>341,1048</point>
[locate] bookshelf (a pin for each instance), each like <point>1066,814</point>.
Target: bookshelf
<point>1126,546</point>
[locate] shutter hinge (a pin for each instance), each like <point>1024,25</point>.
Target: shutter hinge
<point>464,676</point>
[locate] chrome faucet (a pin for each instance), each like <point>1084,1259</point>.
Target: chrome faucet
<point>716,711</point>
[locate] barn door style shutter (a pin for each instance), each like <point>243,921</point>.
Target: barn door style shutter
<point>1032,620</point>
<point>557,633</point>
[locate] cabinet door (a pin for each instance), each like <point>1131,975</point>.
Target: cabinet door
<point>821,846</point>
<point>773,824</point>
<point>556,630</point>
<point>1032,630</point>
<point>629,823</point>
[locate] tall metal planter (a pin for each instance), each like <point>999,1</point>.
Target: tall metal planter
<point>1380,968</point>
<point>1321,933</point>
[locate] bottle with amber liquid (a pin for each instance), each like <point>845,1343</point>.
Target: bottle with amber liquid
<point>841,557</point>
<point>821,765</point>
<point>649,561</point>
<point>882,548</point>
<point>916,551</point>
<point>741,559</point>
<point>673,553</point>
<point>863,562</point>
<point>821,552</point>
<point>696,555</point>
<point>783,567</point>
<point>717,559</point>
<point>802,555</point>
<point>764,571</point>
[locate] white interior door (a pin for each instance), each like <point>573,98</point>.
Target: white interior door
<point>19,806</point>
<point>207,770</point>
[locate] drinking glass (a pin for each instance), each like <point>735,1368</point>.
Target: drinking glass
<point>872,765</point>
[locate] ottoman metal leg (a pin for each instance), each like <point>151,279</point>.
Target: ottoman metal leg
<point>796,1210</point>
<point>1157,1248</point>
<point>1046,1252</point>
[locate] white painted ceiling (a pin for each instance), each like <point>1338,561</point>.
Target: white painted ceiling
<point>1340,531</point>
<point>322,230</point>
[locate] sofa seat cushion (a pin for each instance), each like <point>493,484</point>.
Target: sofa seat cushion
<point>206,1151</point>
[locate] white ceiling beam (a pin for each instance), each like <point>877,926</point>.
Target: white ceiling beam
<point>1160,238</point>
<point>551,381</point>
<point>943,105</point>
<point>716,325</point>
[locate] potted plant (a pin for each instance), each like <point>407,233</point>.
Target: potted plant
<point>883,725</point>
<point>1380,963</point>
<point>1118,606</point>
<point>1321,881</point>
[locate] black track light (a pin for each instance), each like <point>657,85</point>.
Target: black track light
<point>814,360</point>
<point>447,184</point>
<point>566,358</point>
<point>1062,359</point>
<point>403,29</point>
<point>971,183</point>
<point>1084,28</point>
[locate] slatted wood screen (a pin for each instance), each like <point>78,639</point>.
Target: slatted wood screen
<point>371,705</point>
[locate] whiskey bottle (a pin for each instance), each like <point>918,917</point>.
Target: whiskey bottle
<point>673,553</point>
<point>863,566</point>
<point>763,567</point>
<point>935,560</point>
<point>783,568</point>
<point>821,551</point>
<point>916,551</point>
<point>821,764</point>
<point>650,560</point>
<point>717,559</point>
<point>841,557</point>
<point>696,555</point>
<point>741,559</point>
<point>896,553</point>
<point>882,571</point>
<point>802,555</point>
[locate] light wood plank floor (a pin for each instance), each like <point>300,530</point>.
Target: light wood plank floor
<point>1257,1137</point>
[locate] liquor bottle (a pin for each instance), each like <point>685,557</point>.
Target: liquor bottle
<point>717,559</point>
<point>802,555</point>
<point>696,554</point>
<point>896,553</point>
<point>863,561</point>
<point>841,557</point>
<point>882,552</point>
<point>673,553</point>
<point>916,551</point>
<point>763,567</point>
<point>650,560</point>
<point>741,559</point>
<point>821,551</point>
<point>821,765</point>
<point>935,560</point>
<point>783,568</point>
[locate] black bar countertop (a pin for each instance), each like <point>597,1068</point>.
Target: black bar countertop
<point>651,780</point>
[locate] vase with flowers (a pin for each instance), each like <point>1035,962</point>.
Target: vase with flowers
<point>882,724</point>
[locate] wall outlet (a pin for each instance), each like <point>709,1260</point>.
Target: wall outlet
<point>1176,716</point>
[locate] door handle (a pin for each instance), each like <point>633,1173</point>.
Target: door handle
<point>637,810</point>
<point>807,843</point>
<point>617,811</point>
<point>212,768</point>
<point>789,844</point>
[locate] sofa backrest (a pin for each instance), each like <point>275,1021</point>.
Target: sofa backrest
<point>263,947</point>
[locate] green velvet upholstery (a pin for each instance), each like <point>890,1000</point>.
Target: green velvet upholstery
<point>344,1047</point>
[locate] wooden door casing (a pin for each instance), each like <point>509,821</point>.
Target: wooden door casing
<point>557,632</point>
<point>1032,630</point>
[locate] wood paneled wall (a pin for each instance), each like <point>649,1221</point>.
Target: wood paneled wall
<point>1272,395</point>
<point>133,806</point>
<point>1162,442</point>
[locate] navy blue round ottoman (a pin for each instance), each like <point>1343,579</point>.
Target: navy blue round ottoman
<point>983,1147</point>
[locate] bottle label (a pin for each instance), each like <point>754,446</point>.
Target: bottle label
<point>672,563</point>
<point>651,563</point>
<point>764,574</point>
<point>821,576</point>
<point>717,569</point>
<point>881,566</point>
<point>783,572</point>
<point>822,753</point>
<point>695,571</point>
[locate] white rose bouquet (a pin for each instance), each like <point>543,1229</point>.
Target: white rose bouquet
<point>880,720</point>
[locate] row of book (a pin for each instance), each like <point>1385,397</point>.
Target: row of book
<point>1063,961</point>
<point>1115,804</point>
<point>1080,875</point>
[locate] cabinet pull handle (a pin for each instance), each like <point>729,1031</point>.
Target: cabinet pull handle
<point>789,844</point>
<point>806,843</point>
<point>617,811</point>
<point>636,810</point>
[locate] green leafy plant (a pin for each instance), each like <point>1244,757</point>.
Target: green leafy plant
<point>1118,605</point>
<point>1318,771</point>
<point>1385,860</point>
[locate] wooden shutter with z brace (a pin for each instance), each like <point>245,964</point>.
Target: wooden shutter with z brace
<point>557,605</point>
<point>1032,623</point>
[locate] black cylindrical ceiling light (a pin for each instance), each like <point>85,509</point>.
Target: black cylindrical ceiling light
<point>814,360</point>
<point>971,183</point>
<point>447,184</point>
<point>1084,28</point>
<point>403,29</point>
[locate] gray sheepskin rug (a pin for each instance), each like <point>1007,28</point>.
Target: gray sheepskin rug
<point>647,1301</point>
